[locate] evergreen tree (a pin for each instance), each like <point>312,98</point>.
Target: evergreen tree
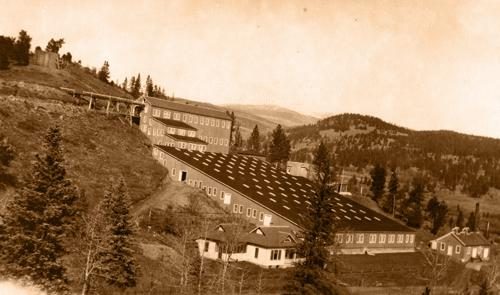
<point>54,46</point>
<point>377,186</point>
<point>279,149</point>
<point>118,256</point>
<point>22,48</point>
<point>238,139</point>
<point>460,218</point>
<point>132,84</point>
<point>136,89</point>
<point>103,73</point>
<point>6,51</point>
<point>437,213</point>
<point>413,206</point>
<point>149,86</point>
<point>471,222</point>
<point>125,84</point>
<point>392,194</point>
<point>39,219</point>
<point>310,276</point>
<point>254,140</point>
<point>7,155</point>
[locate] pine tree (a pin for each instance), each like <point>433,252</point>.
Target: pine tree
<point>149,86</point>
<point>103,73</point>
<point>254,140</point>
<point>22,48</point>
<point>121,269</point>
<point>238,139</point>
<point>460,218</point>
<point>39,219</point>
<point>471,222</point>
<point>279,149</point>
<point>125,84</point>
<point>378,182</point>
<point>413,206</point>
<point>136,89</point>
<point>6,51</point>
<point>310,276</point>
<point>54,46</point>
<point>392,194</point>
<point>132,84</point>
<point>437,213</point>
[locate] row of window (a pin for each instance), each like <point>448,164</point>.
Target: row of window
<point>215,140</point>
<point>276,254</point>
<point>375,238</point>
<point>188,118</point>
<point>170,130</point>
<point>458,248</point>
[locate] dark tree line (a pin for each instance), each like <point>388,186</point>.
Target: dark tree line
<point>15,50</point>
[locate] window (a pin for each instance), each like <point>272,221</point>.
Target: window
<point>348,238</point>
<point>226,142</point>
<point>210,140</point>
<point>195,119</point>
<point>190,118</point>
<point>249,212</point>
<point>214,192</point>
<point>235,208</point>
<point>173,171</point>
<point>407,239</point>
<point>177,116</point>
<point>209,190</point>
<point>184,117</point>
<point>442,246</point>
<point>254,213</point>
<point>215,140</point>
<point>212,122</point>
<point>228,124</point>
<point>221,141</point>
<point>289,253</point>
<point>223,123</point>
<point>182,132</point>
<point>412,238</point>
<point>338,238</point>
<point>360,239</point>
<point>381,239</point>
<point>191,133</point>
<point>207,244</point>
<point>241,209</point>
<point>275,254</point>
<point>222,195</point>
<point>190,182</point>
<point>256,255</point>
<point>217,123</point>
<point>156,112</point>
<point>373,238</point>
<point>166,114</point>
<point>261,216</point>
<point>391,239</point>
<point>207,121</point>
<point>400,239</point>
<point>457,249</point>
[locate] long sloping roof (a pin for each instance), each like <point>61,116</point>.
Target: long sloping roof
<point>187,108</point>
<point>186,138</point>
<point>285,195</point>
<point>175,123</point>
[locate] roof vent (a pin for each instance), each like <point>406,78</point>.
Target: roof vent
<point>465,230</point>
<point>455,230</point>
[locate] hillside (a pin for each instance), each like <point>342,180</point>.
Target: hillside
<point>457,165</point>
<point>272,115</point>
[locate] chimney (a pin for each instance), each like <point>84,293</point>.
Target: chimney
<point>455,230</point>
<point>465,230</point>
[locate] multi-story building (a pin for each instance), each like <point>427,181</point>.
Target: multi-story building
<point>185,125</point>
<point>265,196</point>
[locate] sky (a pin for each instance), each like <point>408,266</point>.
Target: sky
<point>424,64</point>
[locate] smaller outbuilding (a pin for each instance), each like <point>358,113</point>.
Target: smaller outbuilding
<point>463,245</point>
<point>266,246</point>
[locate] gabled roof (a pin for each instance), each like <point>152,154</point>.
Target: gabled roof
<point>467,239</point>
<point>272,237</point>
<point>285,195</point>
<point>187,108</point>
<point>186,138</point>
<point>174,123</point>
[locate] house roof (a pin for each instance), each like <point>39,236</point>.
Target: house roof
<point>175,123</point>
<point>264,236</point>
<point>186,138</point>
<point>466,238</point>
<point>285,195</point>
<point>187,108</point>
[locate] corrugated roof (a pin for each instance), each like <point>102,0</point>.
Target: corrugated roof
<point>186,138</point>
<point>285,195</point>
<point>187,108</point>
<point>175,123</point>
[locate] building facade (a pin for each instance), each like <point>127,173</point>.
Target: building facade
<point>186,126</point>
<point>265,196</point>
<point>463,245</point>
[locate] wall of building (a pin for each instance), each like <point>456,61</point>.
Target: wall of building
<point>375,242</point>
<point>213,133</point>
<point>156,130</point>
<point>464,254</point>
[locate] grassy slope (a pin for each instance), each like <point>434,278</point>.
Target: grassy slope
<point>275,114</point>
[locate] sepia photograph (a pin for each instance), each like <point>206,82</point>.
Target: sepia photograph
<point>241,147</point>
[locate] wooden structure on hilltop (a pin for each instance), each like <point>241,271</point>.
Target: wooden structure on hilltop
<point>134,106</point>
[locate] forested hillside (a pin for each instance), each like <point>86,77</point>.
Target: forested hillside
<point>454,160</point>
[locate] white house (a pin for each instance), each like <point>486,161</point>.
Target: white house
<point>463,245</point>
<point>266,246</point>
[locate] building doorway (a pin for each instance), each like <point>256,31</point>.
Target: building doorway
<point>183,176</point>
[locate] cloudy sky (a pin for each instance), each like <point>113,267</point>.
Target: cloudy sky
<point>420,64</point>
